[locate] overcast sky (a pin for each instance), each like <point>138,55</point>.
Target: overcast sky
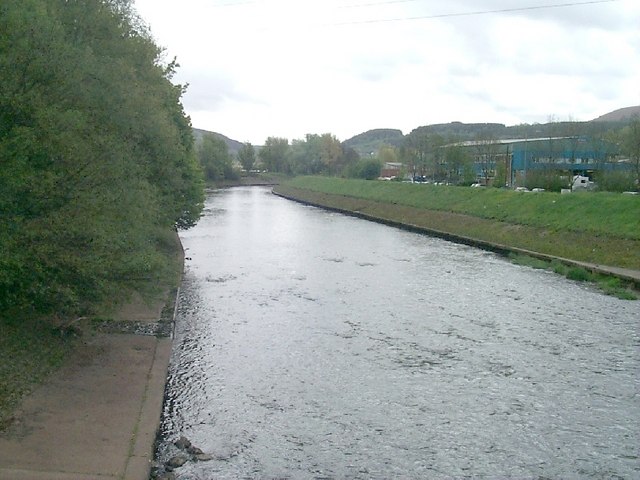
<point>289,67</point>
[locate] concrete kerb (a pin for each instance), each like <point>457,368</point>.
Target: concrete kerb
<point>146,430</point>
<point>632,276</point>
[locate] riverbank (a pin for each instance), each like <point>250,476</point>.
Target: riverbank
<point>97,415</point>
<point>616,255</point>
<point>253,180</point>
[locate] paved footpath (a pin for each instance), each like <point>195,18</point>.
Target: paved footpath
<point>97,417</point>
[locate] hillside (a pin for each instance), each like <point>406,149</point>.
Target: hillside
<point>370,141</point>
<point>233,145</point>
<point>619,115</point>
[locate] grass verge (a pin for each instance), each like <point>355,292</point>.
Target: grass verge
<point>30,350</point>
<point>595,213</point>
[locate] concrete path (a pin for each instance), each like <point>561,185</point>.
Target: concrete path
<point>97,417</point>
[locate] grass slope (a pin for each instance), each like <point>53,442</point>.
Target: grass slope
<point>599,228</point>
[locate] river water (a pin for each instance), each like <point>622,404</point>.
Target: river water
<point>315,345</point>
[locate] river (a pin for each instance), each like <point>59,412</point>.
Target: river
<point>311,344</point>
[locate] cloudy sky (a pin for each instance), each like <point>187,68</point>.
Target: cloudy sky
<point>260,68</point>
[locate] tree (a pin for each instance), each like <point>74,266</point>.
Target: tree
<point>458,162</point>
<point>630,139</point>
<point>350,156</point>
<point>247,156</point>
<point>215,159</point>
<point>97,155</point>
<point>387,154</point>
<point>435,158</point>
<point>416,150</point>
<point>486,153</point>
<point>275,155</point>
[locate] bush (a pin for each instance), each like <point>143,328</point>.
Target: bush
<point>615,181</point>
<point>578,274</point>
<point>550,180</point>
<point>367,169</point>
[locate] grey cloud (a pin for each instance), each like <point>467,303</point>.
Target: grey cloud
<point>208,91</point>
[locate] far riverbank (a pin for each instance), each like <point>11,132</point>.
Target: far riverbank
<point>617,255</point>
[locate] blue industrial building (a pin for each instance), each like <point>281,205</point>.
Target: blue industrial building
<point>572,155</point>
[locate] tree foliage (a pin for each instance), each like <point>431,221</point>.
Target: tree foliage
<point>367,169</point>
<point>275,155</point>
<point>315,154</point>
<point>247,156</point>
<point>215,160</point>
<point>630,136</point>
<point>96,153</point>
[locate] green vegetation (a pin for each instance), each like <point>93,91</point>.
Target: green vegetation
<point>601,228</point>
<point>215,160</point>
<point>610,285</point>
<point>247,156</point>
<point>599,213</point>
<point>365,169</point>
<point>615,181</point>
<point>97,155</point>
<point>370,142</point>
<point>29,351</point>
<point>98,170</point>
<point>550,180</point>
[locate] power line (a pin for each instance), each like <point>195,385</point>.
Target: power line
<point>373,4</point>
<point>464,14</point>
<point>235,4</point>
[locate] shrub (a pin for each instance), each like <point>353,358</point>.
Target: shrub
<point>367,169</point>
<point>578,274</point>
<point>615,181</point>
<point>550,180</point>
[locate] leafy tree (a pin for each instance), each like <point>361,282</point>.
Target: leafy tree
<point>275,155</point>
<point>350,156</point>
<point>387,154</point>
<point>215,159</point>
<point>97,154</point>
<point>458,162</point>
<point>247,156</point>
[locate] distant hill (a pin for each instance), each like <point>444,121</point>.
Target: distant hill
<point>463,130</point>
<point>619,115</point>
<point>233,145</point>
<point>370,141</point>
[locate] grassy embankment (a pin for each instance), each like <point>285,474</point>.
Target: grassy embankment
<point>31,347</point>
<point>599,228</point>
